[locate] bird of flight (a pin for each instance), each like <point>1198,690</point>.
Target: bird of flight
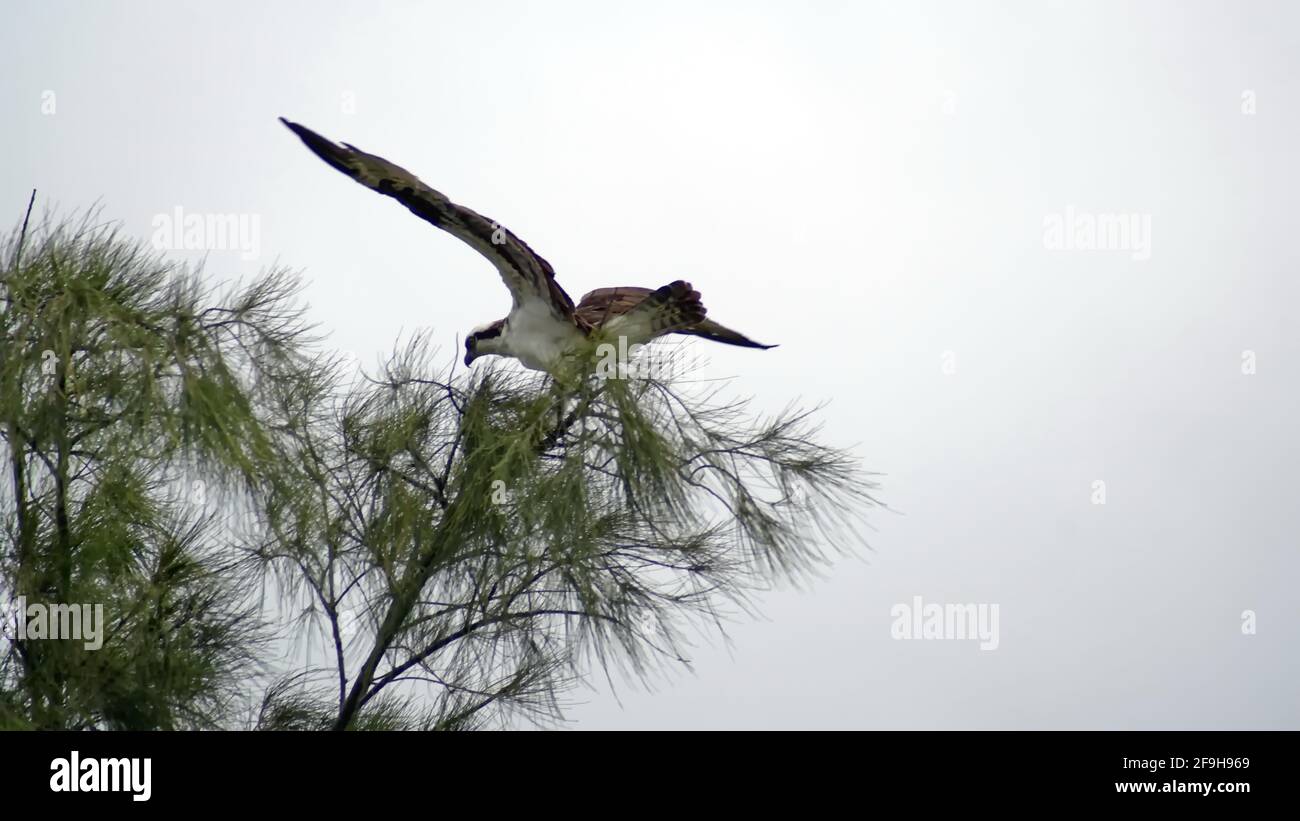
<point>543,326</point>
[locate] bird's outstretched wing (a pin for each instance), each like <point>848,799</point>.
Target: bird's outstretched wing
<point>641,314</point>
<point>708,329</point>
<point>526,274</point>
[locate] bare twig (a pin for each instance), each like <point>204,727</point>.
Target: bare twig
<point>18,252</point>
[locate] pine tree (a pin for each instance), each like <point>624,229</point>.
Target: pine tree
<point>468,545</point>
<point>125,422</point>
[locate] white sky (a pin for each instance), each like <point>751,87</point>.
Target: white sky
<point>866,184</point>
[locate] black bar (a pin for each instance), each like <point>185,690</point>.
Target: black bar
<point>395,770</point>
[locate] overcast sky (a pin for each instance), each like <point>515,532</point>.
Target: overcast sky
<point>900,194</point>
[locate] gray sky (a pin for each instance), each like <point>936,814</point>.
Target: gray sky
<point>898,193</point>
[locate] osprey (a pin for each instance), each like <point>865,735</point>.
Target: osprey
<point>543,324</point>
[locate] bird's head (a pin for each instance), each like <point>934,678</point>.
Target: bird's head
<point>483,340</point>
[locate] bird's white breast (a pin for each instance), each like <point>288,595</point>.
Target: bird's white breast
<point>537,338</point>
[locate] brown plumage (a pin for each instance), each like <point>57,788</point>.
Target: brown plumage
<point>543,324</point>
<point>674,308</point>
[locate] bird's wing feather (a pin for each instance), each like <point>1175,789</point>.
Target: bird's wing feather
<point>605,307</point>
<point>524,272</point>
<point>708,329</point>
<point>603,304</point>
<point>641,314</point>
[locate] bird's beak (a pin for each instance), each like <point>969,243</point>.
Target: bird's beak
<point>469,357</point>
